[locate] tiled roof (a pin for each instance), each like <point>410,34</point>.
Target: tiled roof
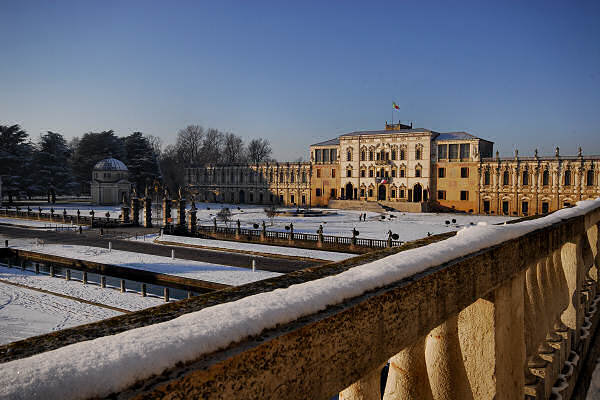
<point>455,136</point>
<point>110,164</point>
<point>329,142</point>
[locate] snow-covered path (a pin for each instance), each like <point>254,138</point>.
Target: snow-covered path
<point>25,313</point>
<point>187,268</point>
<point>258,248</point>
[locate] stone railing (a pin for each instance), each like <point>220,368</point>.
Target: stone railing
<point>495,312</point>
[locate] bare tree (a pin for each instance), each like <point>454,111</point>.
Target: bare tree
<point>271,212</point>
<point>259,150</point>
<point>156,144</point>
<point>190,143</point>
<point>224,216</point>
<point>212,147</point>
<point>233,149</point>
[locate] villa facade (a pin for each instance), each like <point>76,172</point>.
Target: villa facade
<point>401,166</point>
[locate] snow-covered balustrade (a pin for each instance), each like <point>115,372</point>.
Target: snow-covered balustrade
<point>504,312</point>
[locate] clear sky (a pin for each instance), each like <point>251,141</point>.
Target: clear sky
<point>523,74</point>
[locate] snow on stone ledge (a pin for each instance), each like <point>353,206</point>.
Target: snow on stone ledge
<point>109,364</point>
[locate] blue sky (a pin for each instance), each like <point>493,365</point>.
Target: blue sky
<point>522,74</point>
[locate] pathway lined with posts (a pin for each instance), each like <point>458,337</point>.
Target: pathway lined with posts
<point>92,238</point>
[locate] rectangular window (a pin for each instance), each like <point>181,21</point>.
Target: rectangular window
<point>332,193</point>
<point>303,199</point>
<point>291,199</point>
<point>505,207</point>
<point>393,194</point>
<point>349,155</point>
<point>362,173</point>
<point>349,173</point>
<point>486,206</point>
<point>545,178</point>
<point>402,154</point>
<point>418,173</point>
<point>465,151</point>
<point>441,195</point>
<point>567,178</point>
<point>394,173</point>
<point>370,173</point>
<point>442,151</point>
<point>453,151</point>
<point>333,173</point>
<point>525,178</point>
<point>486,178</point>
<point>318,173</point>
<point>370,155</point>
<point>318,192</point>
<point>402,193</point>
<point>370,192</point>
<point>545,207</point>
<point>318,155</point>
<point>402,173</point>
<point>464,195</point>
<point>333,155</point>
<point>362,192</point>
<point>325,155</point>
<point>524,208</point>
<point>464,172</point>
<point>441,172</point>
<point>393,154</point>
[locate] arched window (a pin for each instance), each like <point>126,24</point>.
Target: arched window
<point>418,171</point>
<point>393,154</point>
<point>486,178</point>
<point>292,177</point>
<point>505,178</point>
<point>402,154</point>
<point>525,178</point>
<point>418,152</point>
<point>349,173</point>
<point>546,178</point>
<point>362,155</point>
<point>349,155</point>
<point>370,155</point>
<point>303,176</point>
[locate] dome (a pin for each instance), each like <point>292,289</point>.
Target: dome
<point>110,164</point>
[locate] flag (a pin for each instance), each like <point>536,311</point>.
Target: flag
<point>396,107</point>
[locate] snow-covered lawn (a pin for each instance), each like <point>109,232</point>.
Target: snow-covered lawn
<point>190,269</point>
<point>409,226</point>
<point>260,248</point>
<point>34,224</point>
<point>25,313</point>
<point>91,292</point>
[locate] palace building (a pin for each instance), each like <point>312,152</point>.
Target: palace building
<point>408,169</point>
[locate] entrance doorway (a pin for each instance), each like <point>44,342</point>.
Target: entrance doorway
<point>349,191</point>
<point>242,197</point>
<point>417,193</point>
<point>381,193</point>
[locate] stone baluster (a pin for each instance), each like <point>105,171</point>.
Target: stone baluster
<point>572,263</point>
<point>445,366</point>
<point>407,377</point>
<point>366,388</point>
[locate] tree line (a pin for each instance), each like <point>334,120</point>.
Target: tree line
<point>51,165</point>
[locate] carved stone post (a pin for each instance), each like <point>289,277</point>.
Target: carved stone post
<point>181,209</point>
<point>77,219</point>
<point>192,220</point>
<point>367,388</point>
<point>291,237</point>
<point>124,211</point>
<point>238,230</point>
<point>147,210</point>
<point>166,206</point>
<point>64,218</point>
<point>135,209</point>
<point>263,232</point>
<point>320,237</point>
<point>407,377</point>
<point>445,366</point>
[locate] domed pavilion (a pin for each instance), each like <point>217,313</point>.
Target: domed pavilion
<point>110,182</point>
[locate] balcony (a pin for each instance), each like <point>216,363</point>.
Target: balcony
<point>382,162</point>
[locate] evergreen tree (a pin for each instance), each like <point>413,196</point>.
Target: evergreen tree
<point>15,161</point>
<point>140,160</point>
<point>52,163</point>
<point>93,147</point>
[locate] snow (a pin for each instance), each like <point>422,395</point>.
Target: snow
<point>91,292</point>
<point>34,224</point>
<point>409,226</point>
<point>187,268</point>
<point>253,247</point>
<point>25,313</point>
<point>109,364</point>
